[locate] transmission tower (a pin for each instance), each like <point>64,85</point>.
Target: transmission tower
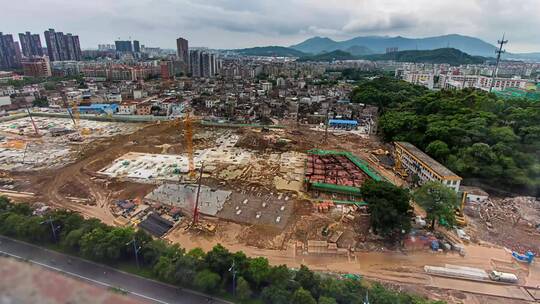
<point>499,51</point>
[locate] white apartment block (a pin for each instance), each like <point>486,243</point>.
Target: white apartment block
<point>420,78</point>
<point>484,83</point>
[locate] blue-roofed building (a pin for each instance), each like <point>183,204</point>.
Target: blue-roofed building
<point>99,108</point>
<point>343,124</point>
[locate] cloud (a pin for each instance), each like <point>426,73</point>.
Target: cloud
<point>243,23</point>
<point>380,23</point>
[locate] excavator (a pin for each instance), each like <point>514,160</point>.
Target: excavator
<point>459,214</point>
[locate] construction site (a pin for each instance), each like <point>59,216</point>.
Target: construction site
<point>282,193</point>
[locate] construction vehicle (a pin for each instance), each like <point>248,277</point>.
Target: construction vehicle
<point>75,115</point>
<point>398,167</point>
<point>504,277</point>
<point>204,227</point>
<point>459,215</point>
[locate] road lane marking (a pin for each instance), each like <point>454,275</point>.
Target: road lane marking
<point>82,277</point>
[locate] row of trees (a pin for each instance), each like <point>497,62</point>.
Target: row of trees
<point>391,211</point>
<point>210,272</point>
<point>490,141</point>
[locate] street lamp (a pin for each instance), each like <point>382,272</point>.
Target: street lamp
<point>50,221</point>
<point>232,270</point>
<point>136,249</point>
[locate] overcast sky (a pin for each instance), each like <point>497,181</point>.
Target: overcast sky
<point>246,23</point>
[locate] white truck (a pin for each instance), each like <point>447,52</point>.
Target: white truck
<point>503,277</point>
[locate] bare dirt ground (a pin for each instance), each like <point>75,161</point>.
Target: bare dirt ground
<point>78,179</point>
<point>393,267</point>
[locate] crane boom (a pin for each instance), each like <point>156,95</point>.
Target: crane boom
<point>32,120</point>
<point>188,134</point>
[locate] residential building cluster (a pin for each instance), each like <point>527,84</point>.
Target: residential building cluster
<point>29,54</point>
<point>442,76</point>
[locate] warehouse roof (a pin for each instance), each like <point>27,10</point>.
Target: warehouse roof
<point>156,225</point>
<point>343,121</point>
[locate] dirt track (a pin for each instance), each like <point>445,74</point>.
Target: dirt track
<point>55,186</point>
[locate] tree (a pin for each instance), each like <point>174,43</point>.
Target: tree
<point>258,270</point>
<point>207,281</point>
<point>197,253</point>
<point>72,240</point>
<point>279,275</point>
<point>275,295</point>
<point>185,270</point>
<point>438,149</point>
<point>219,259</point>
<point>474,133</point>
<point>92,245</point>
<point>152,251</point>
<point>439,202</point>
<point>243,291</point>
<point>327,300</point>
<point>389,207</point>
<point>308,280</point>
<point>164,269</point>
<point>4,203</point>
<point>302,296</point>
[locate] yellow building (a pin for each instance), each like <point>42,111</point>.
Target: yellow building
<point>414,161</point>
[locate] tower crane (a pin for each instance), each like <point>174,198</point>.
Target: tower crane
<point>188,135</point>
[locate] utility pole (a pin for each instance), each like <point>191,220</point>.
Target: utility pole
<point>366,299</point>
<point>232,270</point>
<point>499,51</point>
<point>50,221</point>
<point>136,249</point>
<point>326,124</point>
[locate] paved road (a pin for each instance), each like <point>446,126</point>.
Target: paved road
<point>105,276</point>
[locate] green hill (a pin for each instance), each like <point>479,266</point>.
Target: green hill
<point>330,56</point>
<point>271,51</point>
<point>444,55</point>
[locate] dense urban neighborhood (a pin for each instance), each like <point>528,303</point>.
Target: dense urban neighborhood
<point>325,172</point>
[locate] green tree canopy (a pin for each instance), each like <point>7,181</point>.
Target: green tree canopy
<point>438,201</point>
<point>389,207</point>
<point>302,296</point>
<point>489,141</point>
<point>243,291</point>
<point>207,281</point>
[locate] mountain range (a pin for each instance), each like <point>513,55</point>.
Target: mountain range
<point>367,45</point>
<point>271,51</point>
<point>444,55</point>
<point>379,44</point>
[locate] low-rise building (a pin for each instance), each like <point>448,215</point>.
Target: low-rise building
<point>144,108</point>
<point>37,66</point>
<point>414,161</point>
<point>127,108</point>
